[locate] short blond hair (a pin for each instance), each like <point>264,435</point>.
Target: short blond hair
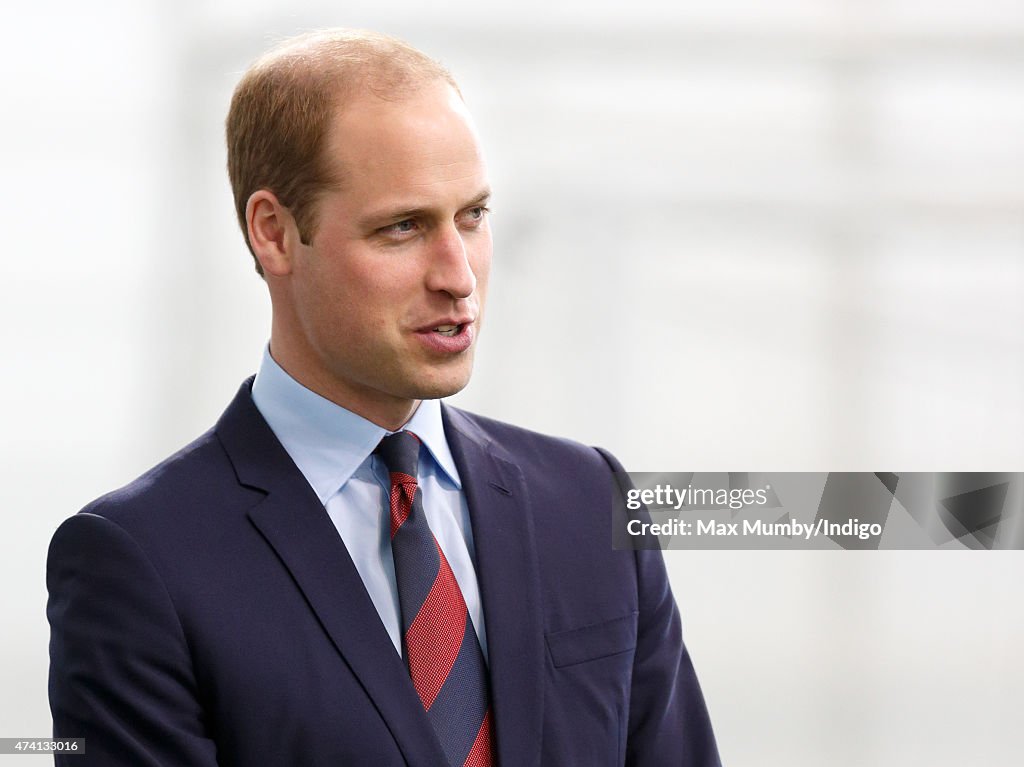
<point>281,111</point>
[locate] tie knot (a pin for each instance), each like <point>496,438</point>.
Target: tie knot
<point>400,452</point>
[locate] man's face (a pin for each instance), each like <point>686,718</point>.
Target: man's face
<point>388,295</point>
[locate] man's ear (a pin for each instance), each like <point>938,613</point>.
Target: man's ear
<point>272,232</point>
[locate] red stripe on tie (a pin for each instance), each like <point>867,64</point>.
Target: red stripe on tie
<point>480,753</point>
<point>403,489</point>
<point>435,636</point>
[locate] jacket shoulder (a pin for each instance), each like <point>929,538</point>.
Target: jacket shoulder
<point>186,486</point>
<point>199,470</point>
<point>525,446</point>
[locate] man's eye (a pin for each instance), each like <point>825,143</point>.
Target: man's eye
<point>477,214</point>
<point>406,226</point>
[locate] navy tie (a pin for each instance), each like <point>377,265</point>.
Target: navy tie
<point>439,643</point>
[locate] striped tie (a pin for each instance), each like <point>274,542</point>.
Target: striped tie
<point>439,643</point>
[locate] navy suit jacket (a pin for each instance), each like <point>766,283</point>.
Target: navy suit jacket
<point>209,614</point>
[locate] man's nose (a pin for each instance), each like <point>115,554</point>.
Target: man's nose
<point>450,270</point>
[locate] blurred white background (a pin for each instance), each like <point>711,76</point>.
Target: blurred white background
<point>729,235</point>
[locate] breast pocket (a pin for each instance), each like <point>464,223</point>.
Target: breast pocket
<point>591,642</point>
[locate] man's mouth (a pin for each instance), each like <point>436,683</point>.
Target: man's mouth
<point>451,335</point>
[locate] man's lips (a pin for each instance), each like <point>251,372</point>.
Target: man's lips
<point>449,335</point>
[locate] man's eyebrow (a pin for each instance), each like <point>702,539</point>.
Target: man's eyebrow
<point>400,214</point>
<point>480,199</point>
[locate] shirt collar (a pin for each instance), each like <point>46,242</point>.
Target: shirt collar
<point>326,441</point>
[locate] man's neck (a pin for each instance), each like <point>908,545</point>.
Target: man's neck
<point>390,413</point>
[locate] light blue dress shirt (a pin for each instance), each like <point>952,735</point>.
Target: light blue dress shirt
<point>333,448</point>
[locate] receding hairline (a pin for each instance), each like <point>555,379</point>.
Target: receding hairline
<point>346,62</point>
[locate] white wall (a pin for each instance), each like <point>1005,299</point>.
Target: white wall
<point>730,235</point>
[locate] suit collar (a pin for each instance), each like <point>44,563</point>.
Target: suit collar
<point>508,574</point>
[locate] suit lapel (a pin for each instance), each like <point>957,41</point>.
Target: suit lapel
<point>295,524</point>
<point>508,576</point>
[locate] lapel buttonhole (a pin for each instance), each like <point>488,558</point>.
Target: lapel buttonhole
<point>499,488</point>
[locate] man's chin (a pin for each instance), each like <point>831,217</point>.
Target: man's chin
<point>439,391</point>
<point>441,386</point>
